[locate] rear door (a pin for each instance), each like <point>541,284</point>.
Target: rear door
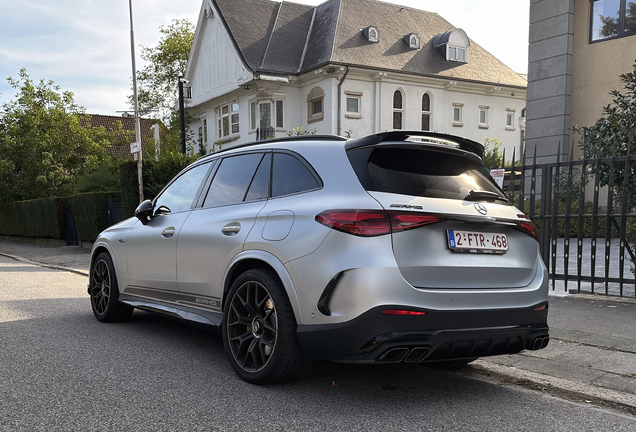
<point>215,232</point>
<point>472,239</point>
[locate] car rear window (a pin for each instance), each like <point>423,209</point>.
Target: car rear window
<point>421,172</point>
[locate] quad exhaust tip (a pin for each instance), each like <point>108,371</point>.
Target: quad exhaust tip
<point>404,354</point>
<point>539,343</point>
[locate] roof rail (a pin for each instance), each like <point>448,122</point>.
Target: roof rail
<point>283,139</point>
<point>370,140</point>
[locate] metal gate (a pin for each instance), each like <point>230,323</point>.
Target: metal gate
<point>71,230</point>
<point>115,211</point>
<point>581,209</point>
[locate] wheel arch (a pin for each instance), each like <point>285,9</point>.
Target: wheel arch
<point>98,248</point>
<point>260,259</point>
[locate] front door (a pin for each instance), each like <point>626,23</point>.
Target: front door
<point>152,248</point>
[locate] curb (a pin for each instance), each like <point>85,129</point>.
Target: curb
<point>571,390</point>
<point>40,264</point>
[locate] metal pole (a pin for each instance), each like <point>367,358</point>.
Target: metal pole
<point>182,116</point>
<point>140,178</point>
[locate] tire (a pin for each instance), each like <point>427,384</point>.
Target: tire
<point>104,292</point>
<point>259,330</point>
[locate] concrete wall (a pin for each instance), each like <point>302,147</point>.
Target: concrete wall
<point>549,78</point>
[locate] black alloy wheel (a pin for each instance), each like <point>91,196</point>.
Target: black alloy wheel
<point>259,330</point>
<point>104,291</point>
<point>252,326</point>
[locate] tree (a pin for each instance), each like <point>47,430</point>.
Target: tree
<point>614,133</point>
<point>44,144</point>
<point>157,81</point>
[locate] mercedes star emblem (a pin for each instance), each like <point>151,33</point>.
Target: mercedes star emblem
<point>481,208</point>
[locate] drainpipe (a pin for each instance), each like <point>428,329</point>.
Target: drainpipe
<point>340,101</point>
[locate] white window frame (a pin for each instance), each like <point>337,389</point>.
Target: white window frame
<point>397,110</point>
<point>430,110</point>
<point>510,115</point>
<point>230,114</point>
<point>353,95</point>
<point>483,109</point>
<point>316,94</point>
<point>458,107</point>
<point>255,113</point>
<point>275,117</point>
<point>456,56</point>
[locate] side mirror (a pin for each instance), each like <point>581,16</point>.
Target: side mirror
<point>144,211</point>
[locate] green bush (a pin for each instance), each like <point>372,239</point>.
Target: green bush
<point>42,218</point>
<point>91,213</point>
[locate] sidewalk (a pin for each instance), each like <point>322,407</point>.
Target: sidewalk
<point>591,357</point>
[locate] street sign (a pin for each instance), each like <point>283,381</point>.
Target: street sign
<point>135,147</point>
<point>498,176</point>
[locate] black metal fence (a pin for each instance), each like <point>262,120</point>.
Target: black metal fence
<point>582,210</point>
<point>265,133</point>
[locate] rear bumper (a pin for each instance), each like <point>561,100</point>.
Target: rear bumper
<point>438,335</point>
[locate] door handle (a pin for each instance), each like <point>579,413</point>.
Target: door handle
<point>168,232</point>
<point>231,229</point>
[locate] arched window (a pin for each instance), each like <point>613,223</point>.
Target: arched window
<point>398,109</point>
<point>426,112</point>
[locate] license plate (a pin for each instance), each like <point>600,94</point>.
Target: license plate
<point>477,242</point>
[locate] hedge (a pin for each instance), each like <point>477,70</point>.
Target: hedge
<point>42,218</point>
<point>45,218</point>
<point>91,213</point>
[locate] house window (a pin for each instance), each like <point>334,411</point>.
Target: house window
<point>510,119</point>
<point>457,114</point>
<point>205,132</point>
<point>353,105</point>
<point>398,110</point>
<point>426,112</point>
<point>315,105</point>
<point>253,116</point>
<point>371,33</point>
<point>228,120</point>
<point>457,54</point>
<point>234,118</point>
<point>280,124</point>
<point>612,18</point>
<point>200,136</point>
<point>412,40</point>
<point>266,116</point>
<point>483,116</point>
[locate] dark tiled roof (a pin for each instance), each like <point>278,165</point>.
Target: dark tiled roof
<point>285,48</point>
<point>121,147</point>
<point>335,36</point>
<point>251,23</point>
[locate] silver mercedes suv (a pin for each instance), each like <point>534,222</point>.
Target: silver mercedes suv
<point>395,247</point>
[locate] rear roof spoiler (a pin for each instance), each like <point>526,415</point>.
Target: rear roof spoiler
<point>436,138</point>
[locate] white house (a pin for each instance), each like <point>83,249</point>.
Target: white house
<point>261,68</point>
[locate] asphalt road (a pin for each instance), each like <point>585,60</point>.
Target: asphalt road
<point>60,369</point>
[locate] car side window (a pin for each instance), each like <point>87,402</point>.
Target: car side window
<point>232,179</point>
<point>290,175</point>
<point>180,194</point>
<point>259,189</point>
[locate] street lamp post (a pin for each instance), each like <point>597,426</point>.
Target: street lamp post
<point>136,106</point>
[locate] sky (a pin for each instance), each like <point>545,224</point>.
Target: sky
<point>84,45</point>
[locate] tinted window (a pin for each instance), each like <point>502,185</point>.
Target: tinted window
<point>232,179</point>
<point>291,176</point>
<point>179,195</point>
<point>259,189</point>
<point>425,173</point>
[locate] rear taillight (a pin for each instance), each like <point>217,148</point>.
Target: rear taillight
<point>368,223</point>
<point>530,229</point>
<point>365,223</point>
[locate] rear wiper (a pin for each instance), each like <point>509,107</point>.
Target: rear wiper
<point>475,195</point>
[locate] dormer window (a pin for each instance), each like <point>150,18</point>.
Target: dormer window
<point>457,54</point>
<point>412,40</point>
<point>371,33</point>
<point>453,45</point>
